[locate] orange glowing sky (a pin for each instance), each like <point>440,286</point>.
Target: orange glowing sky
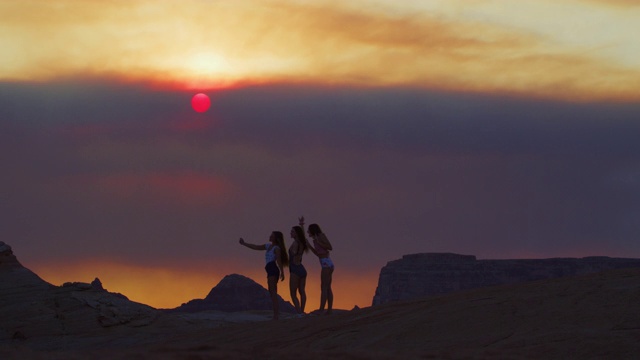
<point>169,286</point>
<point>578,49</point>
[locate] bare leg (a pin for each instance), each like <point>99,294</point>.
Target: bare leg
<point>294,284</point>
<point>323,292</point>
<point>273,291</point>
<point>329,292</point>
<point>303,294</point>
<point>325,288</point>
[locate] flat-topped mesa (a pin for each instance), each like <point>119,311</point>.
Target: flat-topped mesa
<point>419,275</point>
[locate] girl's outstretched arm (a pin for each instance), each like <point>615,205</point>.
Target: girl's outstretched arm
<point>252,246</point>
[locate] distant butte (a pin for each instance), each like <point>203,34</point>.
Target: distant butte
<point>419,275</point>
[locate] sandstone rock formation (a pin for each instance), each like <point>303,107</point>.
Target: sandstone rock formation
<point>235,293</point>
<point>39,315</point>
<point>587,317</point>
<point>583,317</point>
<point>419,275</point>
<point>32,308</point>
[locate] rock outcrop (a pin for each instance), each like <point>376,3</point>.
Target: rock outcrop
<point>235,293</point>
<point>31,308</point>
<point>419,275</point>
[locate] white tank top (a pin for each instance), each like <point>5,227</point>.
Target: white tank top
<point>270,255</point>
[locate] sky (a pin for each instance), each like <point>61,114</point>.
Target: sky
<point>492,128</point>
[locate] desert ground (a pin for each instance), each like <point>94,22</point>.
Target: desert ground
<point>588,317</point>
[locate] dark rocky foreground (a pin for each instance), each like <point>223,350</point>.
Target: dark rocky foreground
<point>594,316</point>
<point>420,275</point>
<point>45,316</point>
<point>31,308</point>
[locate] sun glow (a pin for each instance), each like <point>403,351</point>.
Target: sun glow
<point>204,64</point>
<point>490,46</point>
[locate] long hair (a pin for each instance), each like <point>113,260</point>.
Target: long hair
<point>300,238</point>
<point>284,258</point>
<point>314,229</point>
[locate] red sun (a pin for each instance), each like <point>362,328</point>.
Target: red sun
<point>200,102</point>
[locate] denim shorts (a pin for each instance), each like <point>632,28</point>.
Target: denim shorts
<point>272,269</point>
<point>326,263</point>
<point>298,270</point>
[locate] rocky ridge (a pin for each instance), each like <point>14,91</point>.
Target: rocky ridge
<point>426,274</point>
<point>44,316</point>
<point>32,308</point>
<point>235,293</point>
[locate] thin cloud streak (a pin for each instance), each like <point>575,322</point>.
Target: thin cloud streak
<point>620,3</point>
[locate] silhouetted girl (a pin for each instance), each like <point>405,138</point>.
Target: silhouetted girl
<point>321,247</point>
<point>276,258</point>
<point>297,272</point>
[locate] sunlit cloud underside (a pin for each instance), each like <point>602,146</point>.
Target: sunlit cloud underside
<point>580,50</point>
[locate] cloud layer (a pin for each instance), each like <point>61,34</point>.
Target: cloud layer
<point>487,47</point>
<point>402,163</point>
